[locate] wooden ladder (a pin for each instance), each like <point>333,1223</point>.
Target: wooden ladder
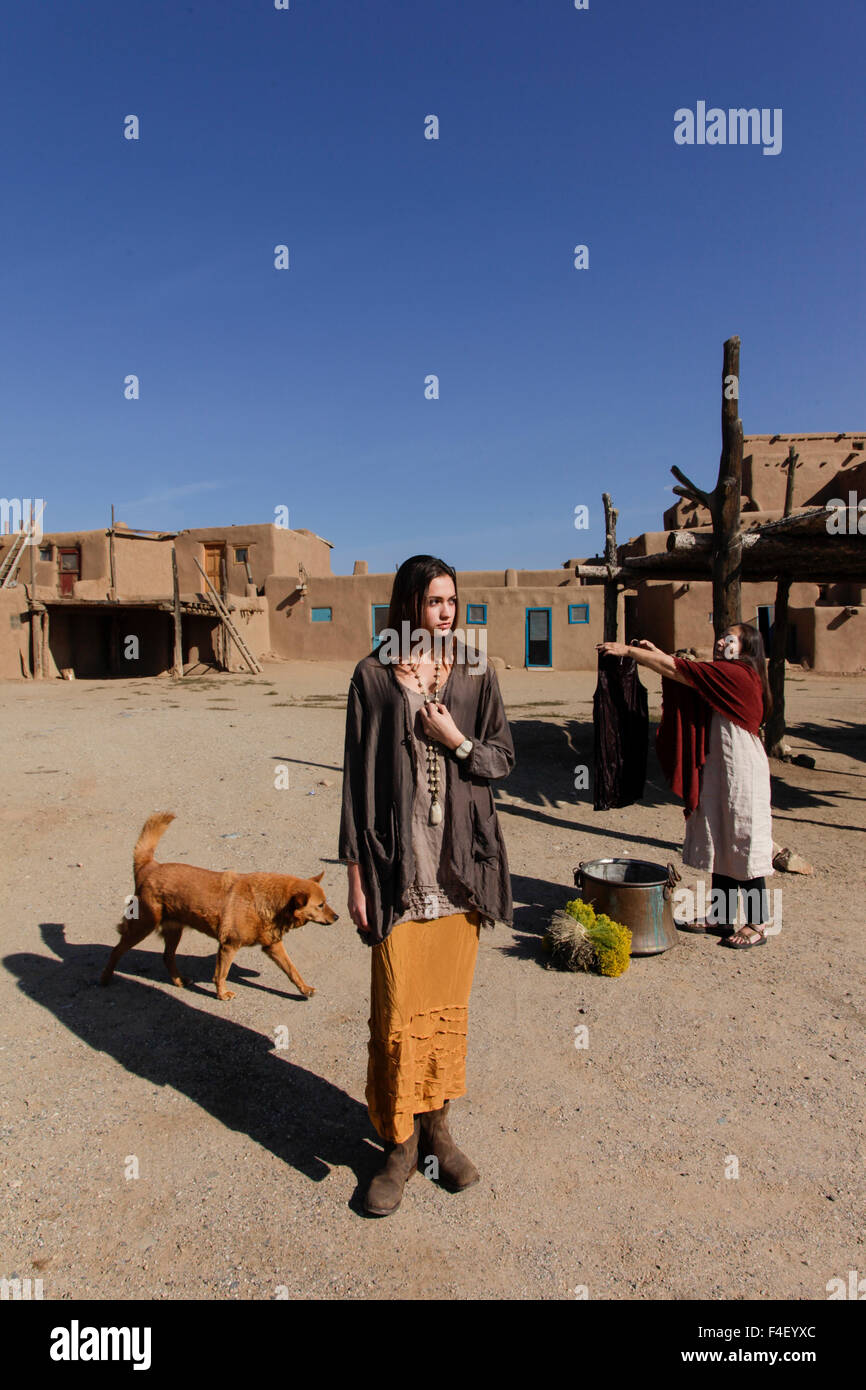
<point>9,567</point>
<point>223,613</point>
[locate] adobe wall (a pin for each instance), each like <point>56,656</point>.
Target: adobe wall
<point>676,615</point>
<point>254,626</point>
<point>273,550</point>
<point>142,568</point>
<point>93,546</point>
<point>835,637</point>
<point>348,636</point>
<point>825,464</point>
<point>14,634</point>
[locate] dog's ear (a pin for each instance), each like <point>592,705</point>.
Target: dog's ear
<point>298,900</point>
<point>317,878</point>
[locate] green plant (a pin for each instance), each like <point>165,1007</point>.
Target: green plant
<point>578,938</point>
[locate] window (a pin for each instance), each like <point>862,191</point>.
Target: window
<point>476,614</point>
<point>578,612</point>
<point>321,615</point>
<point>45,552</point>
<point>380,622</point>
<point>241,554</point>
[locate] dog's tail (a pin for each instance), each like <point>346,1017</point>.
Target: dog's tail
<point>151,833</point>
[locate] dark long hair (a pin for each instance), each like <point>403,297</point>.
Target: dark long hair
<point>753,654</point>
<point>410,585</point>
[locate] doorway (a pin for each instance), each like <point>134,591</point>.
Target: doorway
<point>213,557</point>
<point>69,561</point>
<point>539,644</point>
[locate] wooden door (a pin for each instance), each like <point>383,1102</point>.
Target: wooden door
<point>69,561</point>
<point>213,555</point>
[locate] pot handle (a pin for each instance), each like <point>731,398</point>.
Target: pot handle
<point>578,875</point>
<point>673,878</point>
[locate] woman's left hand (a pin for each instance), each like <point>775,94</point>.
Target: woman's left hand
<point>438,724</point>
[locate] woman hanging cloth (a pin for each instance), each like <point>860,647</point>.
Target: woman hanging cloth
<point>709,748</point>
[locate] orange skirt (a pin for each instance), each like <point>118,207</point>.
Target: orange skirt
<point>421,979</point>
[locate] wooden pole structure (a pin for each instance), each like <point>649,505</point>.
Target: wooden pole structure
<point>46,650</point>
<point>774,730</point>
<point>177,662</point>
<point>611,588</point>
<point>723,503</point>
<point>112,572</point>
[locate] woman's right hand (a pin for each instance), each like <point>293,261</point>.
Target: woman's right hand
<point>357,903</point>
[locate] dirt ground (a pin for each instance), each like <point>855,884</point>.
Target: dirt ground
<point>605,1169</point>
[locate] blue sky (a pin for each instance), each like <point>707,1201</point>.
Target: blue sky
<point>305,387</point>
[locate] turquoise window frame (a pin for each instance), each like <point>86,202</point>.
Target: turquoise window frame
<point>377,641</point>
<point>572,609</point>
<point>538,608</point>
<point>321,615</point>
<point>476,622</point>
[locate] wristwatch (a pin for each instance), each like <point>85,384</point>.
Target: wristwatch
<point>464,749</point>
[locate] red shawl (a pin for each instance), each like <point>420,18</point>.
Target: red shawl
<point>731,688</point>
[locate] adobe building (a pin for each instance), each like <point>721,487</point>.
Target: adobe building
<point>827,622</point>
<point>101,603</point>
<point>78,598</point>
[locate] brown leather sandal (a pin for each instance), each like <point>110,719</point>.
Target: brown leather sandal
<point>746,945</point>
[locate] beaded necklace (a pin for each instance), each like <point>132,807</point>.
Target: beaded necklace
<point>432,754</point>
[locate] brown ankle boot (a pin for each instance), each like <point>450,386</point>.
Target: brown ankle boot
<point>385,1192</point>
<point>454,1168</point>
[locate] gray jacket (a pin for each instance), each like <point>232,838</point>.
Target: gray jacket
<point>379,788</point>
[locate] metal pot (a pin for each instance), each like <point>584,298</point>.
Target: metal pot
<point>636,893</point>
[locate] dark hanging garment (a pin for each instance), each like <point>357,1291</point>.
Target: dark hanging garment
<point>621,718</point>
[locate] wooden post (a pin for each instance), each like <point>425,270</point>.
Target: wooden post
<point>35,626</point>
<point>177,663</point>
<point>774,729</point>
<point>611,588</point>
<point>46,651</point>
<point>224,593</point>
<point>728,549</point>
<point>112,571</point>
<point>723,503</point>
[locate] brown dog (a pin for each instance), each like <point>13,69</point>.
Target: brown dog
<point>237,909</point>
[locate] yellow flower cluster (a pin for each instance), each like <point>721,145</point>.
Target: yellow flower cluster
<point>611,941</point>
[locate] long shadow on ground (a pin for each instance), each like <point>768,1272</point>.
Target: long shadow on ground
<point>228,1069</point>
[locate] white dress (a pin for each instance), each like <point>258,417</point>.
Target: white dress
<point>730,830</point>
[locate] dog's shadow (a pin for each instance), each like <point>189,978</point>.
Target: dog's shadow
<point>197,972</point>
<point>230,1070</point>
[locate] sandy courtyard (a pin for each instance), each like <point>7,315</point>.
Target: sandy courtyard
<point>603,1168</point>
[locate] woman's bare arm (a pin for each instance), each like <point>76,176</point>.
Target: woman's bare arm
<point>649,655</point>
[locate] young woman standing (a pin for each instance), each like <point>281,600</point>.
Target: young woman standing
<point>425,736</point>
<point>711,754</point>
